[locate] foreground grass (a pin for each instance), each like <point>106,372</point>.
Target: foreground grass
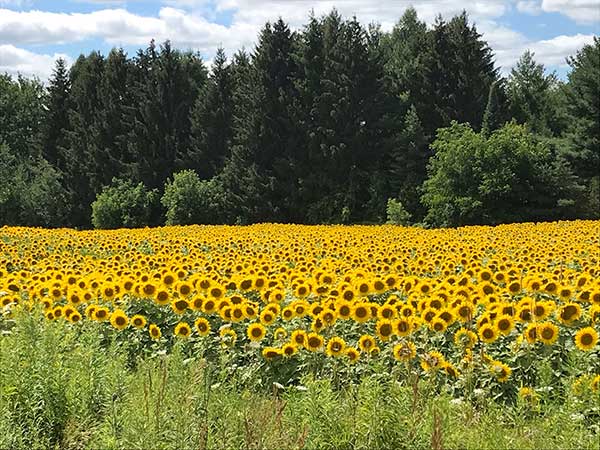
<point>66,387</point>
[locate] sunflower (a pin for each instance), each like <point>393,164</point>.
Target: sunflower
<point>101,314</point>
<point>289,349</point>
<point>569,313</point>
<point>119,320</point>
<point>450,370</point>
<point>361,312</point>
<point>74,317</point>
<point>202,326</point>
<point>344,309</point>
<point>547,333</point>
<point>267,317</point>
<point>465,312</point>
<point>586,339</point>
<point>209,306</point>
<point>595,385</point>
<point>270,353</point>
<point>313,342</point>
<point>256,332</point>
<point>384,329</point>
<point>298,337</point>
<point>531,333</point>
<point>541,310</point>
<point>405,351</point>
<point>162,297</point>
<point>183,330</point>
<point>335,346</point>
<point>465,339</point>
<point>228,336</point>
<point>149,290</point>
<point>504,324</point>
<point>179,305</point>
<point>154,331</point>
<point>488,333</point>
<point>438,325</point>
<point>280,333</point>
<point>287,313</point>
<point>366,342</point>
<point>432,361</point>
<point>500,370</point>
<point>529,396</point>
<point>138,321</point>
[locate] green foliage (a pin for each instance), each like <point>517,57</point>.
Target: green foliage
<point>70,386</point>
<point>123,204</point>
<point>30,193</point>
<point>583,107</point>
<point>189,200</point>
<point>508,177</point>
<point>396,214</point>
<point>531,95</point>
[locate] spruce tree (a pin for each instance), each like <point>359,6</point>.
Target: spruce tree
<point>56,120</point>
<point>80,145</point>
<point>212,120</point>
<point>110,157</point>
<point>496,112</point>
<point>529,91</point>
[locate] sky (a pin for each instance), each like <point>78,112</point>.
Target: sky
<point>33,34</point>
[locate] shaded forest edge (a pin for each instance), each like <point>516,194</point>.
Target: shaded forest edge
<point>335,123</point>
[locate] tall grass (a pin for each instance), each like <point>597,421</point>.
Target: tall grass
<point>79,387</point>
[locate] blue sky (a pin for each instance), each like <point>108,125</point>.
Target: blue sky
<point>34,33</point>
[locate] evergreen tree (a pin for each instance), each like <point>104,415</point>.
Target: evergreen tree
<point>265,136</point>
<point>530,95</point>
<point>56,120</point>
<point>408,163</point>
<point>405,62</point>
<point>496,112</point>
<point>110,156</point>
<point>212,120</point>
<point>459,71</point>
<point>166,86</point>
<point>85,78</point>
<point>583,107</point>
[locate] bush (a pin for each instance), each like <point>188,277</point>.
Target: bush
<point>510,176</point>
<point>396,214</point>
<point>123,205</point>
<point>189,200</point>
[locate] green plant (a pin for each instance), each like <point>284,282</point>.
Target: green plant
<point>123,204</point>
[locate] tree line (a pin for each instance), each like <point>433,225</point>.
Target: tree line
<point>335,123</point>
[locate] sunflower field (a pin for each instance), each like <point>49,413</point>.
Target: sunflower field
<point>290,336</point>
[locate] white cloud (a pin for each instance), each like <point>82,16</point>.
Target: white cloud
<point>509,45</point>
<point>553,52</point>
<point>529,6</point>
<point>582,11</point>
<point>16,60</point>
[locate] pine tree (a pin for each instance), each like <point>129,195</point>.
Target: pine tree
<point>56,120</point>
<point>212,120</point>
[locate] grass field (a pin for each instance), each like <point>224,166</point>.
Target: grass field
<point>284,336</point>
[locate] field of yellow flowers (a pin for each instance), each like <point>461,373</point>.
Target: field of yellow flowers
<point>510,313</point>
